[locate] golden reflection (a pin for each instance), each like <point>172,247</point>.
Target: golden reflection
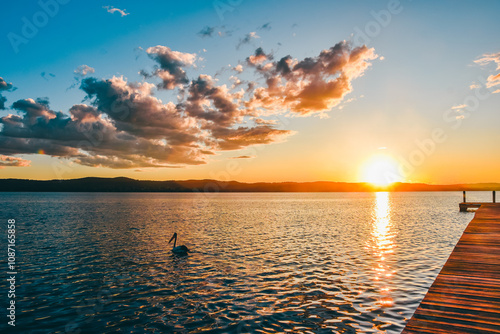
<point>382,245</point>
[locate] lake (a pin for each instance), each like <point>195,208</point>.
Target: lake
<point>259,262</point>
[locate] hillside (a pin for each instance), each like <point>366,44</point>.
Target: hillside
<point>123,184</point>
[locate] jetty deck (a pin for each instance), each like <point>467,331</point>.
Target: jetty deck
<point>465,297</point>
<point>465,206</point>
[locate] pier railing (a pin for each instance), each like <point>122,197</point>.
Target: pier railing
<point>464,206</point>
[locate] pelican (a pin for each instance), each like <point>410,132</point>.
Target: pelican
<point>179,249</point>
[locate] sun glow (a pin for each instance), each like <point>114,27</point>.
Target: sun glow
<point>381,170</point>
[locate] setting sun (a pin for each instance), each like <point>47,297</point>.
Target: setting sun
<point>381,170</point>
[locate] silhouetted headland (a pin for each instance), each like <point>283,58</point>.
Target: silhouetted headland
<point>123,184</point>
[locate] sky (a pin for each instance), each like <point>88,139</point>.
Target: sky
<point>251,90</point>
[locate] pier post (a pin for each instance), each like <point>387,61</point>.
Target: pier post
<point>465,200</point>
<point>494,196</point>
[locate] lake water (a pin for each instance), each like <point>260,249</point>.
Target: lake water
<point>260,262</point>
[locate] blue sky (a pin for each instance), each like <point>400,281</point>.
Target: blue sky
<point>425,67</point>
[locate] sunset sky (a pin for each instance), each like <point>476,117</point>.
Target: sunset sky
<point>251,90</point>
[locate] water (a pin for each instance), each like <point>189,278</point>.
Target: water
<point>260,262</point>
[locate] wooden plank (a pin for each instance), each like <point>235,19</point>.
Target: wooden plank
<point>465,297</point>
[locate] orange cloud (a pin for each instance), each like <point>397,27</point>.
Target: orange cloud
<point>6,161</point>
<point>312,85</point>
<point>493,80</point>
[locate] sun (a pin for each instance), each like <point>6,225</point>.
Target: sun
<point>381,170</point>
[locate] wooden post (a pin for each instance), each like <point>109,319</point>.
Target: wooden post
<point>465,200</point>
<point>494,196</point>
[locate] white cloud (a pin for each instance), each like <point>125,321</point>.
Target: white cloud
<point>111,9</point>
<point>83,70</point>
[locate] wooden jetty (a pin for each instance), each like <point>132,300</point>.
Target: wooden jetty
<point>465,206</point>
<point>465,297</point>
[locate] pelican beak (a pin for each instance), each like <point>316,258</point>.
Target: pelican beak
<point>172,238</point>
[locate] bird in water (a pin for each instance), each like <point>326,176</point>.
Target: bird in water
<point>179,249</point>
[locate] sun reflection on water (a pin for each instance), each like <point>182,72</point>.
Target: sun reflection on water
<point>382,245</point>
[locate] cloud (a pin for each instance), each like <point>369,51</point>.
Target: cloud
<point>241,137</point>
<point>258,57</point>
<point>487,58</point>
<point>212,103</point>
<point>247,39</point>
<point>238,68</point>
<point>132,109</point>
<point>493,79</point>
<point>122,124</point>
<point>112,135</point>
<point>460,106</point>
<point>38,128</point>
<point>220,31</point>
<point>312,85</point>
<point>206,31</point>
<point>223,32</point>
<point>111,9</point>
<point>243,157</point>
<point>4,86</point>
<point>265,121</point>
<point>265,26</point>
<point>236,81</point>
<point>171,64</point>
<point>83,70</point>
<point>125,126</point>
<point>6,161</point>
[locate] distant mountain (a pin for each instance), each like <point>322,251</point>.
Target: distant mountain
<point>123,184</point>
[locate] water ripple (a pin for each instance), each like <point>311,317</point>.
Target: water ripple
<point>268,263</point>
